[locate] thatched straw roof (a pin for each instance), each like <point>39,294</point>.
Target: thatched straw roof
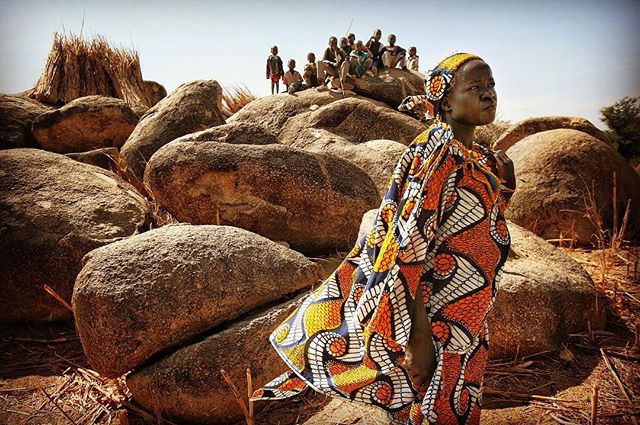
<point>78,67</point>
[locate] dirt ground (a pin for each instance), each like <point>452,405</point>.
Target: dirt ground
<point>44,377</point>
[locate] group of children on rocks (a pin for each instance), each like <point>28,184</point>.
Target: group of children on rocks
<point>349,58</point>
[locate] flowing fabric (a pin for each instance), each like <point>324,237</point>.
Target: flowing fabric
<point>440,225</point>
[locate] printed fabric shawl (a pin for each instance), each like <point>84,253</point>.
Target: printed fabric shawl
<point>440,225</point>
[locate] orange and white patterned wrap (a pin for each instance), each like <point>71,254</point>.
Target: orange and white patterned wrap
<point>440,225</point>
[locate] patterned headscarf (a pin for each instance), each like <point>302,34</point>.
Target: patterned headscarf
<point>438,84</point>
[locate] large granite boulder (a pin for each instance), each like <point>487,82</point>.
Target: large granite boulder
<point>272,112</point>
<point>555,170</point>
<point>356,120</point>
<point>377,158</point>
<point>84,124</point>
<point>522,129</point>
<point>155,90</point>
<point>187,385</point>
<point>312,201</point>
<point>390,86</point>
<point>543,296</point>
<point>53,211</point>
<point>238,132</point>
<point>16,115</point>
<point>193,106</point>
<point>150,293</point>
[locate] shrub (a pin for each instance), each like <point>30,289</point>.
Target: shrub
<point>623,120</point>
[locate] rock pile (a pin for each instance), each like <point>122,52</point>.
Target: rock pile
<point>286,177</point>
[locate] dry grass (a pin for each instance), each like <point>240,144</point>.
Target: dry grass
<point>604,237</point>
<point>44,379</point>
<point>236,98</point>
<point>159,215</point>
<point>78,67</point>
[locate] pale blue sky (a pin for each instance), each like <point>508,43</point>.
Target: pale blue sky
<point>548,57</point>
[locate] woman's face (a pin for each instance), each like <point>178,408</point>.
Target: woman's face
<point>472,99</point>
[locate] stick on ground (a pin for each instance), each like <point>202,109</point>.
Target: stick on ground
<point>623,390</point>
<point>237,395</point>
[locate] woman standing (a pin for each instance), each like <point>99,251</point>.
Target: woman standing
<point>400,324</point>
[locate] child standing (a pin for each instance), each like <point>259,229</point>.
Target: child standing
<point>274,69</point>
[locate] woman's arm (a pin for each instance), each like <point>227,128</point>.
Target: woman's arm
<point>506,172</point>
<point>420,358</point>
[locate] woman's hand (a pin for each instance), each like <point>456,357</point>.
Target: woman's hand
<point>420,360</point>
<point>505,169</point>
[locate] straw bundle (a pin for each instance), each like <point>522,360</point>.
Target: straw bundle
<point>77,67</point>
<point>236,98</point>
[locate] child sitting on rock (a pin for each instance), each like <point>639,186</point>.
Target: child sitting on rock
<point>392,55</point>
<point>360,62</point>
<point>292,78</point>
<point>413,61</point>
<point>374,46</point>
<point>310,73</point>
<point>334,63</point>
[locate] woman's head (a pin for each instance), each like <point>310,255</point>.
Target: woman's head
<point>459,87</point>
<point>461,84</point>
<point>471,97</point>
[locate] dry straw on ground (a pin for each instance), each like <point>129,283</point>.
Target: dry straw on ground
<point>78,67</point>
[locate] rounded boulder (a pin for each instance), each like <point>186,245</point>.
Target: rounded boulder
<point>355,119</point>
<point>272,112</point>
<point>53,211</point>
<point>236,133</point>
<point>153,292</point>
<point>187,385</point>
<point>155,90</point>
<point>390,86</point>
<point>16,116</point>
<point>522,129</point>
<point>562,175</point>
<point>85,124</point>
<point>377,158</point>
<point>543,296</point>
<point>193,106</point>
<point>312,201</point>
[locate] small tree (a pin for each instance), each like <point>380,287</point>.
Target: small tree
<point>623,120</point>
